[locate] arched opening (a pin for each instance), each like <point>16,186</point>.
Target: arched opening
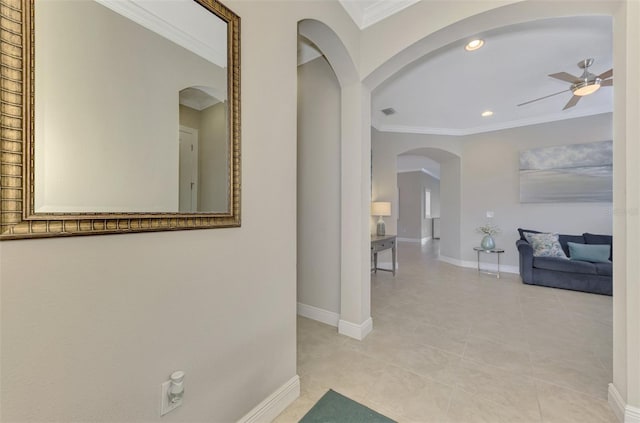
<point>344,168</point>
<point>437,180</point>
<point>517,14</point>
<point>524,12</point>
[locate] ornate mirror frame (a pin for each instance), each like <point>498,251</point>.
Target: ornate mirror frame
<point>17,219</point>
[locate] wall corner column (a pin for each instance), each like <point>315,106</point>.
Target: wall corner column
<point>355,274</point>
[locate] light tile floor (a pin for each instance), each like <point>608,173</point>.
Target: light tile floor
<point>451,345</point>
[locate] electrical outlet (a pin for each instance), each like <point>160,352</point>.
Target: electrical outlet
<point>167,406</point>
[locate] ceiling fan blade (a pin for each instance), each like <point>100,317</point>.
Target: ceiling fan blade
<point>563,76</point>
<point>607,83</point>
<point>607,74</point>
<point>542,98</point>
<point>574,100</point>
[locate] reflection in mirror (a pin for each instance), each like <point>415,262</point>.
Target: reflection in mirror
<point>112,110</point>
<point>91,120</point>
<point>203,150</point>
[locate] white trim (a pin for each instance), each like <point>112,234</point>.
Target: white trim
<point>353,330</point>
<point>407,129</point>
<point>422,169</point>
<point>383,9</point>
<point>375,12</point>
<point>492,267</point>
<point>158,21</point>
<point>318,314</point>
<point>616,402</point>
<point>275,403</point>
<point>624,413</point>
<point>631,414</point>
<point>354,12</point>
<point>415,240</point>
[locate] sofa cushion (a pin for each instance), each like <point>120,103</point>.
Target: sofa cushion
<point>564,239</point>
<point>604,269</point>
<point>545,245</point>
<point>522,232</point>
<point>564,265</point>
<point>599,239</point>
<point>594,253</point>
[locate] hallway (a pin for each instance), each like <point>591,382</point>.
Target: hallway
<point>451,345</point>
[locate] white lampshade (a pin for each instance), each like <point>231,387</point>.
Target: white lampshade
<point>381,208</point>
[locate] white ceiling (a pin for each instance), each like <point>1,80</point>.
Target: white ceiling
<point>445,92</point>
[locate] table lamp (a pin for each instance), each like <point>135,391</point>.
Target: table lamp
<point>380,208</point>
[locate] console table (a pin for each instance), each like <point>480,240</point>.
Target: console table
<point>381,243</point>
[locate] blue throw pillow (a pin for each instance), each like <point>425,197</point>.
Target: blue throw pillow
<point>594,253</point>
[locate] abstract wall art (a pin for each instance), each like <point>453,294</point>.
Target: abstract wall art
<point>567,173</point>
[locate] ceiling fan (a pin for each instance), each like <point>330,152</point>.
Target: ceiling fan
<point>582,85</point>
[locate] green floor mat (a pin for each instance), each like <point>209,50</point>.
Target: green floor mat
<point>336,408</point>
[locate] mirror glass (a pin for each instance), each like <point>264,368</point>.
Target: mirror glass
<point>130,106</point>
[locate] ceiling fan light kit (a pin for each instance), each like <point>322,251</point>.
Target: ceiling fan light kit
<point>586,87</point>
<point>581,86</point>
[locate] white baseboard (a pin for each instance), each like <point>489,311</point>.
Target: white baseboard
<point>625,413</point>
<point>491,267</point>
<point>275,403</point>
<point>318,314</point>
<point>353,330</point>
<point>415,240</point>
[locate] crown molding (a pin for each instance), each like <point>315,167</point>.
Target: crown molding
<point>354,12</point>
<point>160,23</point>
<point>383,9</point>
<point>425,130</point>
<point>375,12</point>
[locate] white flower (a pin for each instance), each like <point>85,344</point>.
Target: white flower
<point>488,229</point>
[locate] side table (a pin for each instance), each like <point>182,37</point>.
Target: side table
<point>497,252</point>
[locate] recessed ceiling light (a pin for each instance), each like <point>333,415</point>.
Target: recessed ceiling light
<point>474,45</point>
<point>487,113</point>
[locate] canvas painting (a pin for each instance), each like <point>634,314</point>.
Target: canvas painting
<point>567,173</point>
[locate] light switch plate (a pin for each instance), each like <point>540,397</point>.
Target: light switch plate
<point>166,406</point>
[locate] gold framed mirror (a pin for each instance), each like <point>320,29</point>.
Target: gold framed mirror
<point>88,146</point>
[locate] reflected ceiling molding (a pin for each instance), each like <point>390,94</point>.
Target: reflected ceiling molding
<point>158,17</point>
<point>307,51</point>
<point>367,13</point>
<point>405,129</point>
<point>198,97</point>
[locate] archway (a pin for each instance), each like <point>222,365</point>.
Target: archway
<point>353,318</point>
<point>626,348</point>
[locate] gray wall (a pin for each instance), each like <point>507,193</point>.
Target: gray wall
<point>318,186</point>
<point>213,158</point>
<point>486,178</point>
<point>412,223</point>
<point>213,179</point>
<point>386,147</point>
<point>490,181</point>
<point>450,207</point>
<point>91,326</point>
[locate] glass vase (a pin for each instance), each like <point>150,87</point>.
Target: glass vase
<point>488,242</point>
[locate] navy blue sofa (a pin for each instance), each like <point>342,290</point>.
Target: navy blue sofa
<point>566,274</point>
